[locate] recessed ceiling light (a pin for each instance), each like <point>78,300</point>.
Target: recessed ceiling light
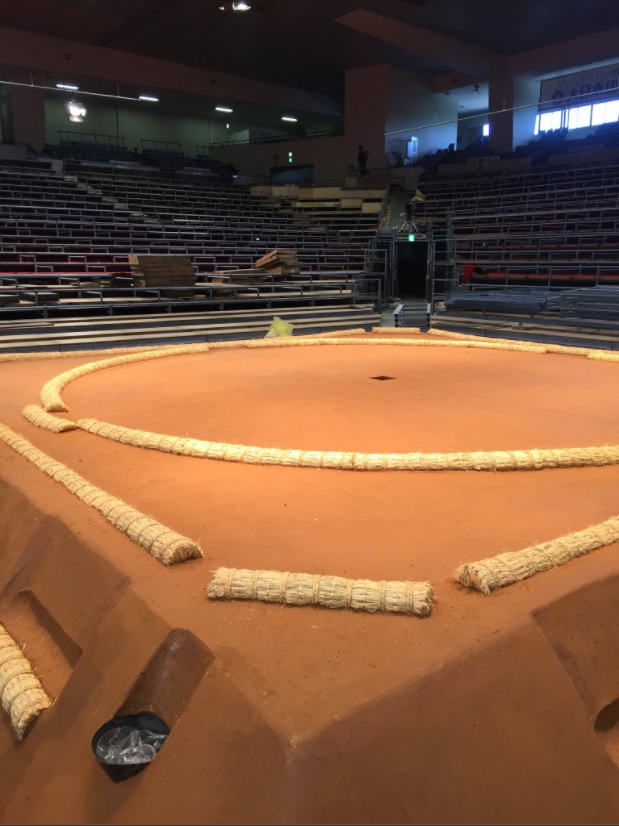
<point>292,120</point>
<point>70,87</point>
<point>234,5</point>
<point>223,109</point>
<point>149,98</point>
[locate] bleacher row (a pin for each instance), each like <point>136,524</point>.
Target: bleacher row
<point>58,225</point>
<point>548,224</point>
<point>601,303</point>
<point>548,239</point>
<point>65,243</point>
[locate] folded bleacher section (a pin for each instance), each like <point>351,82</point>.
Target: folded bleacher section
<point>537,233</point>
<point>66,241</point>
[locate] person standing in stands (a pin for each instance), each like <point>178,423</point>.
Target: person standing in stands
<point>362,160</point>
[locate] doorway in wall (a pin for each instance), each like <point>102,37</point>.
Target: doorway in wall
<point>412,269</point>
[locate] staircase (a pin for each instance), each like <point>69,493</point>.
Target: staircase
<point>394,215</point>
<point>412,313</point>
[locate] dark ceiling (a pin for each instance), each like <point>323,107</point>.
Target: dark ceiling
<point>300,43</point>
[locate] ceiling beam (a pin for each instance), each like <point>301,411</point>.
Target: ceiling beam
<point>39,52</point>
<point>448,51</point>
<point>569,54</point>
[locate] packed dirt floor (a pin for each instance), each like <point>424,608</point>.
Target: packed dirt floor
<point>494,709</point>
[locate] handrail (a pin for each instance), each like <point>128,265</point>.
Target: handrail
<point>331,133</point>
<point>110,139</point>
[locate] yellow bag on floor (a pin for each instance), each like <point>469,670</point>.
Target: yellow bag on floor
<point>279,328</point>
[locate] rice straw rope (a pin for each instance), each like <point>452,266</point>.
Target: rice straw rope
<point>285,588</point>
<point>164,544</point>
<point>23,697</point>
<point>499,460</point>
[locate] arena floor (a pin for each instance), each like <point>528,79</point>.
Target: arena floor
<point>485,711</point>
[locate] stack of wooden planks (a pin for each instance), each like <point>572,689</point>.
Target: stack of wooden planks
<point>163,271</point>
<point>280,261</point>
<point>274,266</point>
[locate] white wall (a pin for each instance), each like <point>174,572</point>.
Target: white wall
<point>526,93</point>
<point>415,108</point>
<point>134,124</point>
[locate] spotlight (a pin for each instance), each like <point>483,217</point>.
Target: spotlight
<point>292,120</point>
<point>222,109</point>
<point>70,87</point>
<point>149,98</point>
<point>75,110</point>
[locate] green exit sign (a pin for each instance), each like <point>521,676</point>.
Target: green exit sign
<point>411,237</point>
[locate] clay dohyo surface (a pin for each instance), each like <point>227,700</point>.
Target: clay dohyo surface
<point>487,711</point>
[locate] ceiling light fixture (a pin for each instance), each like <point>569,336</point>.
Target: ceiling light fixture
<point>75,110</point>
<point>234,5</point>
<point>292,120</point>
<point>222,109</point>
<point>69,87</point>
<point>55,89</point>
<point>149,98</point>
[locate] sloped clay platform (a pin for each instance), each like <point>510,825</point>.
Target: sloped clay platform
<point>494,709</point>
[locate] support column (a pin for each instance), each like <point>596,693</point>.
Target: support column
<point>500,105</point>
<point>27,110</point>
<point>512,125</point>
<point>365,112</point>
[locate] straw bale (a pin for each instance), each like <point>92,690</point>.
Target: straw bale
<point>21,693</point>
<point>38,701</point>
<point>52,401</point>
<point>50,392</point>
<point>356,331</point>
<point>563,349</point>
<point>601,355</point>
<point>164,544</point>
<point>412,598</point>
<point>504,569</point>
<point>9,653</point>
<point>392,330</point>
<point>498,460</point>
<point>16,686</point>
<point>76,354</point>
<point>13,668</point>
<point>26,708</point>
<point>35,414</point>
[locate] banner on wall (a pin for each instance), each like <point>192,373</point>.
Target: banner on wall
<point>579,88</point>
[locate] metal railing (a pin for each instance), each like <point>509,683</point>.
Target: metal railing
<point>91,137</point>
<point>332,133</point>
